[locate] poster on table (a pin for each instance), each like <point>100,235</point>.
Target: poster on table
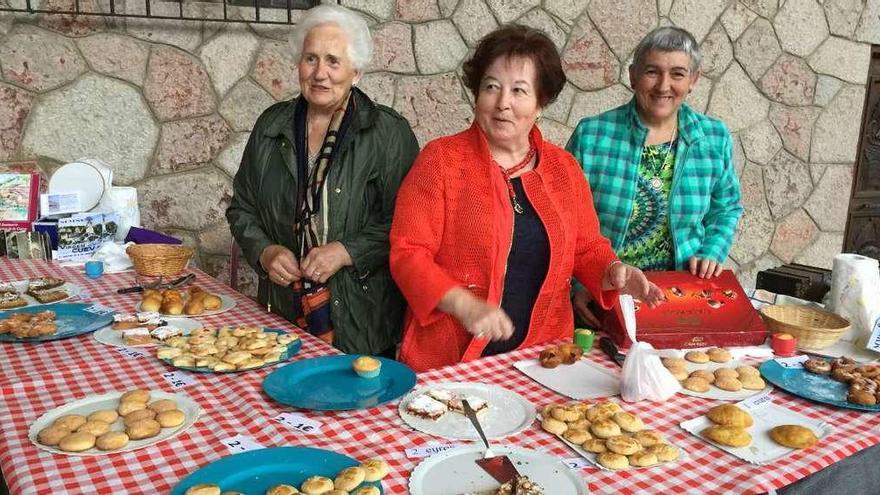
<point>81,235</point>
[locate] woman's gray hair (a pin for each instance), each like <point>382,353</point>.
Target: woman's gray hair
<point>360,42</point>
<point>668,39</point>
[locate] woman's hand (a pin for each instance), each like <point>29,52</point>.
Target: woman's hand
<point>630,280</point>
<point>479,318</point>
<point>580,301</point>
<point>323,262</point>
<point>280,263</point>
<point>704,267</point>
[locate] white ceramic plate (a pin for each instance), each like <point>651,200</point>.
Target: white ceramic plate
<point>112,337</point>
<point>580,381</point>
<point>79,177</point>
<point>92,403</point>
<point>508,413</point>
<point>715,392</point>
<point>73,291</point>
<point>767,415</point>
<point>226,303</point>
<point>454,472</point>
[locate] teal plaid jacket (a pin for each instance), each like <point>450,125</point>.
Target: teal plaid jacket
<point>704,203</point>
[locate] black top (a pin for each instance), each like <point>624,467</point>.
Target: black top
<point>526,270</point>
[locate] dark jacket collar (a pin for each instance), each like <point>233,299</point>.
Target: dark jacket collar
<point>281,123</point>
<point>688,122</point>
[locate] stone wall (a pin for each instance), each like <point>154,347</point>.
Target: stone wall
<point>169,103</point>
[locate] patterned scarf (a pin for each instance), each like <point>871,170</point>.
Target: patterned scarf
<point>314,297</point>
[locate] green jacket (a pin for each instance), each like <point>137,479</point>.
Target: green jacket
<point>374,156</point>
<point>704,203</point>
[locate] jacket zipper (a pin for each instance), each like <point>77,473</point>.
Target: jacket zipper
<point>676,176</point>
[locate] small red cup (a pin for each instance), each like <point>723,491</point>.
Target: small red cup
<point>783,344</point>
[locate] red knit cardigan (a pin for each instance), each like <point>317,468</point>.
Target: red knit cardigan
<point>453,227</point>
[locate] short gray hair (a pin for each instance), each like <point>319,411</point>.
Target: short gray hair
<point>360,42</point>
<point>668,39</point>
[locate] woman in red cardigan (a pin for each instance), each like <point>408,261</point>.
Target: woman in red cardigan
<point>491,223</point>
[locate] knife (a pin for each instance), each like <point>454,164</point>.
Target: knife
<point>170,285</point>
<point>498,466</point>
<point>610,349</point>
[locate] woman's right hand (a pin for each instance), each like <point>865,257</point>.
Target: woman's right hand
<point>478,317</point>
<point>280,264</point>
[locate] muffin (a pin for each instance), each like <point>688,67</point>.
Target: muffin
<point>366,366</point>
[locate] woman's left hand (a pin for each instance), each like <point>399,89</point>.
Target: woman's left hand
<point>323,262</point>
<point>704,267</point>
<point>630,280</point>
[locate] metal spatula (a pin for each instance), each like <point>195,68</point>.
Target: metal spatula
<point>498,466</point>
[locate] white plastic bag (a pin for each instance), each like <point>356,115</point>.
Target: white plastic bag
<point>644,377</point>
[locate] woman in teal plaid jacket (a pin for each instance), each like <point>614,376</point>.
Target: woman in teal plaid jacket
<point>662,174</point>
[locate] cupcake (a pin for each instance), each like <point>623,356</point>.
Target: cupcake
<point>367,367</point>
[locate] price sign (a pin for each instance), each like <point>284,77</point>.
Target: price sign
<point>241,443</point>
<point>98,309</point>
<point>576,463</point>
<point>756,402</point>
<point>131,352</point>
<point>428,451</point>
<point>874,340</point>
<point>793,362</point>
<point>299,422</point>
<point>178,379</point>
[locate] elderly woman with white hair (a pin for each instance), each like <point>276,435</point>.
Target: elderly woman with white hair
<point>662,174</point>
<point>314,195</point>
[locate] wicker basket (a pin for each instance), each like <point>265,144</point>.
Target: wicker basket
<point>814,328</point>
<point>159,260</point>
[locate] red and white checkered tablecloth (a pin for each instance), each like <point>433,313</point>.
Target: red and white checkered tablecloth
<point>37,378</point>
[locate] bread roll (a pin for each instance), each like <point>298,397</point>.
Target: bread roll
<point>732,436</point>
<point>605,428</point>
<point>70,421</point>
<point>649,438</point>
<point>595,445</point>
<point>172,307</point>
<point>51,435</point>
<point>643,459</point>
<point>128,407</point>
<point>77,442</point>
<point>612,461</point>
<point>375,469</point>
<point>576,436</point>
<point>794,436</point>
<point>95,427</point>
<point>192,308</point>
<point>623,445</point>
<point>105,415</point>
<point>730,415</point>
<point>151,304</point>
<point>349,478</point>
<point>366,490</point>
<point>316,485</point>
<point>112,440</point>
<point>203,489</point>
<point>664,452</point>
<point>212,302</point>
<point>628,422</point>
<point>282,489</point>
<point>554,426</point>
<point>145,428</point>
<point>163,405</point>
<point>170,419</point>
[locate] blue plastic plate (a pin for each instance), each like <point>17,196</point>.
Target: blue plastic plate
<point>254,472</point>
<point>819,388</point>
<point>329,383</point>
<point>292,349</point>
<point>72,319</point>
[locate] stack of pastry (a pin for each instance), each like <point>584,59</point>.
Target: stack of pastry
<point>226,349</point>
<point>729,428</point>
<point>618,438</point>
<point>135,418</point>
<point>348,481</point>
<point>47,289</point>
<point>29,325</point>
<point>863,381</point>
<point>552,357</point>
<point>729,379</point>
<point>10,297</point>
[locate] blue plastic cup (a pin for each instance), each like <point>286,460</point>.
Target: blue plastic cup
<point>94,269</point>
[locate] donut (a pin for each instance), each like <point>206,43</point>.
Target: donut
<point>698,357</point>
<point>613,461</point>
<point>554,426</point>
<point>145,428</point>
<point>316,485</point>
<point>105,415</point>
<point>349,478</point>
<point>94,427</point>
<point>696,384</point>
<point>77,442</point>
<point>375,469</point>
<point>137,395</point>
<point>623,445</point>
<point>861,397</point>
<point>843,373</point>
<point>729,384</point>
<point>704,374</point>
<point>664,452</point>
<point>112,440</point>
<point>70,421</point>
<point>605,428</point>
<point>170,419</point>
<point>203,489</point>
<point>842,361</point>
<point>719,355</point>
<point>643,459</point>
<point>51,435</point>
<point>869,371</point>
<point>576,436</point>
<point>817,366</point>
<point>725,373</point>
<point>628,422</point>
<point>649,438</point>
<point>595,445</point>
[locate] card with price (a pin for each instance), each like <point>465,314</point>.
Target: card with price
<point>130,352</point>
<point>299,422</point>
<point>98,309</point>
<point>241,443</point>
<point>178,379</point>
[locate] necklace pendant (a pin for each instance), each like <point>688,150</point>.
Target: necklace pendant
<point>517,207</point>
<point>656,183</point>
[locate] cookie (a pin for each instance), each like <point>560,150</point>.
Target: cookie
<point>52,435</point>
<point>112,440</point>
<point>747,371</point>
<point>145,428</point>
<point>674,362</point>
<point>170,419</point>
<point>679,374</point>
<point>697,357</point>
<point>729,384</point>
<point>70,421</point>
<point>77,442</point>
<point>726,373</point>
<point>704,374</point>
<point>696,384</point>
<point>554,426</point>
<point>105,415</point>
<point>753,382</point>
<point>719,355</point>
<point>137,395</point>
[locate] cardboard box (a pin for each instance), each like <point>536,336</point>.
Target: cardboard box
<point>698,313</point>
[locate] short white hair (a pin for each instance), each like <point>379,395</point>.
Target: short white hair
<point>360,42</point>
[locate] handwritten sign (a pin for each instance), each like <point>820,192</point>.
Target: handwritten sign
<point>131,352</point>
<point>428,451</point>
<point>299,422</point>
<point>178,379</point>
<point>793,362</point>
<point>576,462</point>
<point>241,443</point>
<point>98,309</point>
<point>756,402</point>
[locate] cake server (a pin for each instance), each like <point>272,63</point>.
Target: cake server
<point>498,466</point>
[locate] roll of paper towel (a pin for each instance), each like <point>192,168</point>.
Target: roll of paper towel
<point>855,293</point>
